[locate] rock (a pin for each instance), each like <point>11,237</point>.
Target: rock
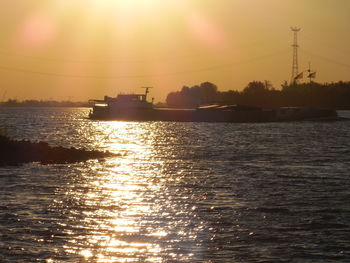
<point>13,152</point>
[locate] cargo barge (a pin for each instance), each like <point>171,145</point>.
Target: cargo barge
<point>135,107</point>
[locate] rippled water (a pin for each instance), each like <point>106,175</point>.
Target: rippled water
<point>178,192</point>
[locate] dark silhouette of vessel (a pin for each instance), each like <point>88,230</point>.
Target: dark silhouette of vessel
<point>135,107</point>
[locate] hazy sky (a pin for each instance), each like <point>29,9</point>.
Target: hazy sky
<point>81,49</point>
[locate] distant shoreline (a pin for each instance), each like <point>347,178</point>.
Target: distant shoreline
<point>34,103</point>
<point>20,106</point>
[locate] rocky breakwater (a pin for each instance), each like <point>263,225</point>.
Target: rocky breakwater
<point>15,152</point>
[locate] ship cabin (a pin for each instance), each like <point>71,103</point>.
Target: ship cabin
<point>129,101</point>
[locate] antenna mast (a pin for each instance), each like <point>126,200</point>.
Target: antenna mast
<point>147,91</point>
<point>295,46</point>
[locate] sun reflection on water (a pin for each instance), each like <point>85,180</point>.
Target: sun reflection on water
<point>120,199</point>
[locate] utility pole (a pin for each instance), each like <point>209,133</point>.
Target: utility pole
<point>295,70</point>
<point>309,73</point>
<point>3,96</point>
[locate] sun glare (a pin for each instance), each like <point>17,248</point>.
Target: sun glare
<point>120,42</point>
<point>143,5</point>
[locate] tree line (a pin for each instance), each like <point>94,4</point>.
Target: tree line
<point>263,94</point>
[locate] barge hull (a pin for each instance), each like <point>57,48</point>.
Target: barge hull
<point>195,115</point>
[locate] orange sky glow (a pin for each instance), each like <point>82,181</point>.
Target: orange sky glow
<point>82,49</point>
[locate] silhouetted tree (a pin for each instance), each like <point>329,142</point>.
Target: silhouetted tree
<point>194,96</point>
<point>262,94</point>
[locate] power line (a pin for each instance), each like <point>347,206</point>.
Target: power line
<point>97,61</point>
<point>109,60</point>
<point>326,45</point>
<point>212,68</point>
<point>326,58</point>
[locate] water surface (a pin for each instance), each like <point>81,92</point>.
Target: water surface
<point>178,192</point>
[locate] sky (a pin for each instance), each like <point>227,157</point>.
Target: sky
<point>83,49</point>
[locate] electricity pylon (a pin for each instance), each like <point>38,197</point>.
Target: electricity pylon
<point>295,70</point>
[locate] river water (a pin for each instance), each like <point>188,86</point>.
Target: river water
<point>177,192</point>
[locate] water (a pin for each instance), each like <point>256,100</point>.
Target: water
<point>178,192</point>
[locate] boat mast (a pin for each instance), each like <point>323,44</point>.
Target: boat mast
<point>146,91</point>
